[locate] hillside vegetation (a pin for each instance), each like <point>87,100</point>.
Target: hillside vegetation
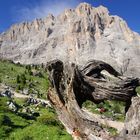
<point>29,121</point>
<point>29,126</point>
<point>24,78</point>
<point>36,121</point>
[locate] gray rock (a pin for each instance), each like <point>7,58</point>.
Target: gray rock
<point>12,106</point>
<point>76,35</point>
<point>6,93</point>
<point>32,101</point>
<point>25,91</point>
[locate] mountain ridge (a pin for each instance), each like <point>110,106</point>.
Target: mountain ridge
<point>76,35</point>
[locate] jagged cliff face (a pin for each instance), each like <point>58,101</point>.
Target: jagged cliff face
<point>76,36</point>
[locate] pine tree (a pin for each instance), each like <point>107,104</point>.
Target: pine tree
<point>18,79</point>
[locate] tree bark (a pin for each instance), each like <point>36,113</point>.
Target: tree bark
<point>72,85</point>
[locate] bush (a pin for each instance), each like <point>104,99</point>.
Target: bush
<point>50,109</point>
<point>112,131</point>
<point>5,125</point>
<point>4,130</point>
<point>18,79</point>
<point>107,105</point>
<point>48,120</point>
<point>138,90</point>
<point>23,79</point>
<point>116,108</point>
<point>87,104</point>
<point>5,120</point>
<point>3,104</point>
<point>27,138</point>
<point>100,105</point>
<point>28,67</point>
<point>30,72</point>
<point>18,88</point>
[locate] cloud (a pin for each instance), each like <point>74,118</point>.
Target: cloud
<point>43,8</point>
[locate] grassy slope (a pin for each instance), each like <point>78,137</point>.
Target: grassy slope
<point>9,73</point>
<point>114,109</point>
<point>13,126</point>
<point>46,126</point>
<point>40,132</point>
<point>9,120</point>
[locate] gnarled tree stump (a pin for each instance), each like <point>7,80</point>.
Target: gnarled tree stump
<point>72,85</point>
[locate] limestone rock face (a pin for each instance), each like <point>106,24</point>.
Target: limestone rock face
<point>76,35</point>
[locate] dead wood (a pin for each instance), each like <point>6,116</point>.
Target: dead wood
<point>72,85</point>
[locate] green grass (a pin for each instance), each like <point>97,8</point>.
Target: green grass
<point>114,109</point>
<point>138,90</point>
<point>19,101</point>
<point>38,131</point>
<point>112,131</point>
<point>9,120</point>
<point>15,127</point>
<point>9,73</point>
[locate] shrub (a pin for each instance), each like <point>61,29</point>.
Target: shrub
<point>138,90</point>
<point>107,105</point>
<point>5,120</point>
<point>36,67</point>
<point>18,87</point>
<point>101,105</point>
<point>30,72</point>
<point>5,125</point>
<point>27,138</point>
<point>4,130</point>
<point>47,120</point>
<point>116,108</point>
<point>23,79</point>
<point>112,131</point>
<point>3,104</point>
<point>18,79</point>
<point>42,65</point>
<point>28,67</point>
<point>87,104</point>
<point>50,109</point>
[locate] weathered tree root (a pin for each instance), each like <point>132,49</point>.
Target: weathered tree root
<point>73,85</point>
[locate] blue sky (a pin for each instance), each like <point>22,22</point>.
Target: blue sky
<point>15,11</point>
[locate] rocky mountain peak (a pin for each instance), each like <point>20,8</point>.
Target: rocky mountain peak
<point>84,8</point>
<point>76,35</point>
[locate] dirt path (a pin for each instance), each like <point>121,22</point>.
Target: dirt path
<point>118,125</point>
<point>115,124</point>
<point>19,95</point>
